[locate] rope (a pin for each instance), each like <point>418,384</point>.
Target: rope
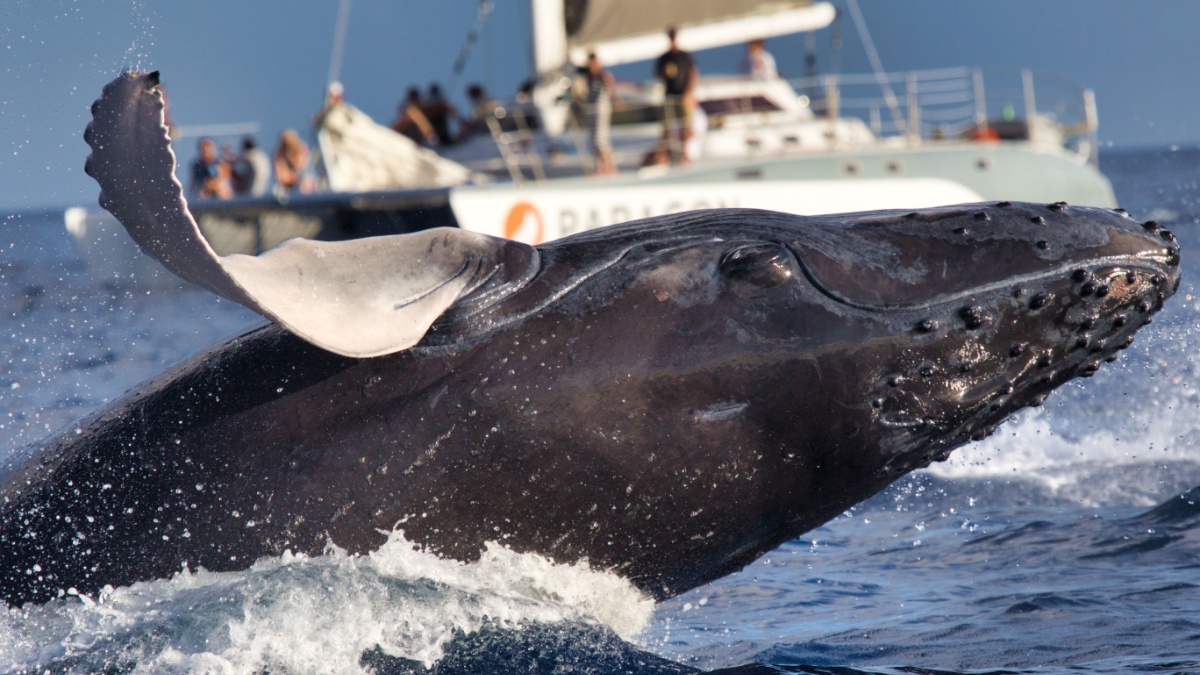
<point>464,54</point>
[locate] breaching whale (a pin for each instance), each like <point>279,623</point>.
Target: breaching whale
<point>666,399</point>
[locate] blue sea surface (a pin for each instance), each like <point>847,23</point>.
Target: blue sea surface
<point>1067,543</point>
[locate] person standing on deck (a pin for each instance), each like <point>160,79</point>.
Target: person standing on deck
<point>759,64</point>
<point>678,73</point>
<point>251,169</point>
<point>601,92</point>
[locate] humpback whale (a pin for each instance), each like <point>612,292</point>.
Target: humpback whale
<point>667,399</point>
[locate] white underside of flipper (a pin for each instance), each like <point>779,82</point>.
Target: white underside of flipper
<point>365,297</point>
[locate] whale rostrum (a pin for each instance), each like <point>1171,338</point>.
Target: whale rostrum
<point>667,399</point>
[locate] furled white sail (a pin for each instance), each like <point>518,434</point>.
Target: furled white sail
<point>622,31</point>
<point>361,155</point>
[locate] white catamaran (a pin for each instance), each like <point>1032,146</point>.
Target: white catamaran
<point>821,144</point>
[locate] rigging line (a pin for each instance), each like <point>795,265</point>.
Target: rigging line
<point>339,45</point>
<point>876,65</point>
<point>835,43</point>
<point>464,54</point>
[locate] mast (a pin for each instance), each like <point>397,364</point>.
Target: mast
<point>549,33</point>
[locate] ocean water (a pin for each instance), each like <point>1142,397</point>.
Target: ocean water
<point>1069,542</point>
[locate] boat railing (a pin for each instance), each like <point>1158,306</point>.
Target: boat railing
<point>512,130</point>
<point>914,108</point>
<point>962,103</point>
<point>526,154</point>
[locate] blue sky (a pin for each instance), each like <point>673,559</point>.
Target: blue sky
<point>226,61</point>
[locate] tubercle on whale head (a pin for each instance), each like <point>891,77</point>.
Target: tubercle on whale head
<point>898,249</point>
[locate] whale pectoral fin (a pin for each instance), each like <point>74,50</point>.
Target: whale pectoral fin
<point>366,297</point>
<point>134,164</point>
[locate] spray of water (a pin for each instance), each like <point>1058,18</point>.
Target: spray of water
<point>319,614</point>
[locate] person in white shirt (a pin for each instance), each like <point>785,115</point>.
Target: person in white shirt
<point>759,64</point>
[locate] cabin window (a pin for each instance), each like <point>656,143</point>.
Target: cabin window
<point>740,104</point>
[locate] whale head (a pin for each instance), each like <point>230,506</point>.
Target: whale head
<point>808,362</point>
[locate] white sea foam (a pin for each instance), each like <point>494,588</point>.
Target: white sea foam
<point>298,614</point>
<point>1135,462</point>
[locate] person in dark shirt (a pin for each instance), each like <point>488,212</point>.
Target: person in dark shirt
<point>251,169</point>
<point>411,120</point>
<point>678,73</point>
<point>483,107</point>
<point>439,112</point>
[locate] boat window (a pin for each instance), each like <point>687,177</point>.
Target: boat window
<point>741,104</point>
<point>635,114</point>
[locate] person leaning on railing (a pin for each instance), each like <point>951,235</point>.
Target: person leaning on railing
<point>291,156</point>
<point>482,107</point>
<point>411,121</point>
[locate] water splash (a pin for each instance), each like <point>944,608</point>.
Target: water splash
<point>139,50</point>
<point>319,614</point>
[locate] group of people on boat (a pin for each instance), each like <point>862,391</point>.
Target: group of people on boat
<point>676,69</point>
<point>427,120</point>
<point>248,172</point>
<point>431,121</point>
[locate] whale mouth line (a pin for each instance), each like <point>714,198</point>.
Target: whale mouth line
<point>1148,262</point>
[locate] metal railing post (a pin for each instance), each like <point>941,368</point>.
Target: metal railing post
<point>1030,103</point>
<point>511,161</point>
<point>1093,123</point>
<point>832,97</point>
<point>527,140</point>
<point>832,102</point>
<point>914,110</point>
<point>980,98</point>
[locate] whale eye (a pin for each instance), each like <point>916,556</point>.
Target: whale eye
<point>766,265</point>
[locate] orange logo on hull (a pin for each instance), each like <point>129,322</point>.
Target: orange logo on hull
<point>524,224</point>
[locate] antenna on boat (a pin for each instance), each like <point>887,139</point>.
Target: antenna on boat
<point>339,45</point>
<point>881,77</point>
